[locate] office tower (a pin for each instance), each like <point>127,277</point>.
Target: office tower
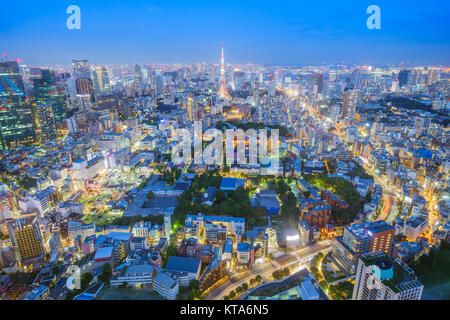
<point>46,121</point>
<point>81,69</point>
<point>223,91</point>
<point>101,80</point>
<point>349,104</point>
<point>16,120</point>
<point>46,90</point>
<point>332,76</point>
<point>334,90</point>
<point>356,78</point>
<point>26,239</point>
<point>138,80</point>
<point>85,87</point>
<point>395,85</point>
<point>403,78</point>
<point>379,277</point>
<point>238,79</point>
<point>318,84</point>
<point>419,126</point>
<point>434,74</point>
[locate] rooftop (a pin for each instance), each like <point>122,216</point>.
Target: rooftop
<point>191,265</point>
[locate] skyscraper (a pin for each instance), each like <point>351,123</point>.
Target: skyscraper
<point>356,78</point>
<point>81,69</point>
<point>16,121</point>
<point>403,78</point>
<point>349,104</point>
<point>434,74</point>
<point>318,84</point>
<point>46,121</point>
<point>101,80</point>
<point>223,91</point>
<point>46,90</point>
<point>85,87</point>
<point>379,277</point>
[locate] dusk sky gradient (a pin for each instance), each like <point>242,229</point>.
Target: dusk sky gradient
<point>277,32</point>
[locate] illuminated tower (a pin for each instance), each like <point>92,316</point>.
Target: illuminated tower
<point>223,92</point>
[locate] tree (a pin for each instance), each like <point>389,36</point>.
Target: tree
<point>86,279</point>
<point>258,278</point>
<point>106,273</point>
<point>232,294</point>
<point>245,287</point>
<point>150,195</point>
<point>55,270</point>
<point>306,194</point>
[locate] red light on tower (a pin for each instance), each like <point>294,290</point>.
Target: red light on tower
<point>18,60</point>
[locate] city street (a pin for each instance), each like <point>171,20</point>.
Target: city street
<point>303,255</point>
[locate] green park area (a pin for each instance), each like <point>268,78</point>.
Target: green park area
<point>100,218</point>
<point>432,269</point>
<point>229,203</point>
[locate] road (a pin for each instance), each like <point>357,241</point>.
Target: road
<point>386,209</point>
<point>235,281</point>
<point>390,197</point>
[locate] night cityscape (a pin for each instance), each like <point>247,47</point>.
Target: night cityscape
<point>234,151</point>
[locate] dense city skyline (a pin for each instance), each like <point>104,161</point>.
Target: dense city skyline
<point>126,175</point>
<point>262,32</point>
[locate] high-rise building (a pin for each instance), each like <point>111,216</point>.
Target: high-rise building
<point>403,78</point>
<point>16,120</point>
<point>46,121</point>
<point>318,84</point>
<point>85,87</point>
<point>349,104</point>
<point>81,69</point>
<point>434,74</point>
<point>223,91</point>
<point>46,90</point>
<point>26,239</point>
<point>419,126</point>
<point>356,78</point>
<point>361,238</point>
<point>369,237</point>
<point>100,77</point>
<point>379,277</point>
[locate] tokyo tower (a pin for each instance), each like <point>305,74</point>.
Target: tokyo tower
<point>223,92</point>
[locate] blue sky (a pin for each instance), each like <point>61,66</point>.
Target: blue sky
<point>282,31</point>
